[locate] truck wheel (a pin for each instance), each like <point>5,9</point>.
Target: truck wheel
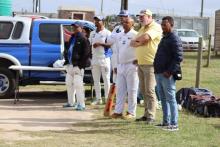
<point>7,83</point>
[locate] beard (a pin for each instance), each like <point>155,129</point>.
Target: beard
<point>144,23</point>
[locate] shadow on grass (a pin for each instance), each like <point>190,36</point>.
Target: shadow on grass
<point>217,126</point>
<point>110,127</point>
<point>92,131</point>
<point>49,94</point>
<point>103,124</point>
<point>43,94</point>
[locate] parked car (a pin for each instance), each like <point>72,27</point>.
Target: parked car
<point>189,38</point>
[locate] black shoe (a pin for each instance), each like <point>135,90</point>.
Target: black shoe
<point>150,121</point>
<point>143,118</point>
<point>161,125</point>
<point>171,128</point>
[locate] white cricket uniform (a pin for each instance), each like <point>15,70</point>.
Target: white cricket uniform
<point>127,76</point>
<point>100,63</point>
<point>74,84</point>
<point>112,40</point>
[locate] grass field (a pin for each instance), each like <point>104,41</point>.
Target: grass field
<point>210,76</point>
<point>194,131</point>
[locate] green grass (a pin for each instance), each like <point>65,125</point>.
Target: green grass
<point>194,131</point>
<point>210,76</point>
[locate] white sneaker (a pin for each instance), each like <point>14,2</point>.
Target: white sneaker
<point>171,128</point>
<point>97,102</point>
<point>179,107</point>
<point>142,102</point>
<point>67,105</point>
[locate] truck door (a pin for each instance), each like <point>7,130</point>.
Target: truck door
<point>46,48</point>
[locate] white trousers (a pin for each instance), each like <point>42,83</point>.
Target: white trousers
<point>74,84</point>
<point>126,86</point>
<point>97,71</point>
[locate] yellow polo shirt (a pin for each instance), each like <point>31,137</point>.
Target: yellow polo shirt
<point>145,54</point>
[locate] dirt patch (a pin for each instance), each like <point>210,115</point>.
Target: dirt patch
<point>39,114</point>
<point>39,109</point>
<point>16,136</point>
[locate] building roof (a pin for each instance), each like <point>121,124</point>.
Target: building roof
<point>50,15</point>
<point>76,8</point>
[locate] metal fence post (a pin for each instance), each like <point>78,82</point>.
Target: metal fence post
<point>209,51</point>
<point>199,59</point>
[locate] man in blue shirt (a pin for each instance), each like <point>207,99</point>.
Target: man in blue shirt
<point>166,65</point>
<point>76,56</point>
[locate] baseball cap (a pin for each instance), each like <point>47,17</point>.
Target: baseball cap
<point>77,24</point>
<point>88,26</point>
<point>99,17</point>
<point>123,13</point>
<point>145,12</point>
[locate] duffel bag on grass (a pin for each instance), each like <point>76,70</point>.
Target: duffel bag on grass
<point>208,106</point>
<point>183,95</point>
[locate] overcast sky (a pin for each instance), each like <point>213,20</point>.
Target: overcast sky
<point>180,7</point>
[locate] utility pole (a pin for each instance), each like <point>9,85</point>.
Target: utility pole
<point>39,6</point>
<point>124,4</point>
<point>36,6</point>
<point>33,6</point>
<point>202,2</point>
<point>102,7</point>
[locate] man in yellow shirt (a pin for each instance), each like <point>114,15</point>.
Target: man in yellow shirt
<point>145,44</point>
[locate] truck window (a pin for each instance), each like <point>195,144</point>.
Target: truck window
<point>50,33</point>
<point>18,30</point>
<point>5,29</point>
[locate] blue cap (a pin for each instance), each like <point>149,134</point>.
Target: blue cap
<point>123,13</point>
<point>89,26</point>
<point>99,17</point>
<point>78,24</point>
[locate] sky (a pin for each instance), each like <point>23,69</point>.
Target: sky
<point>178,7</point>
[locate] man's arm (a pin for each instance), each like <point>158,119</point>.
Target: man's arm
<point>177,51</point>
<point>66,48</point>
<point>85,52</point>
<point>143,39</point>
<point>105,45</point>
<point>140,40</point>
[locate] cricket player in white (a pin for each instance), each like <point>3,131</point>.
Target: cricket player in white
<point>100,58</point>
<point>127,77</point>
<point>113,38</point>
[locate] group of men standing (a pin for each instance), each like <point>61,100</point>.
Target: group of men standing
<point>140,60</point>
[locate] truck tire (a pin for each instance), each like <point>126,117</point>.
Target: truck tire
<point>7,83</point>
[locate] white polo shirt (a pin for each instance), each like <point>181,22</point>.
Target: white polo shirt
<point>125,52</point>
<point>112,40</point>
<point>99,37</point>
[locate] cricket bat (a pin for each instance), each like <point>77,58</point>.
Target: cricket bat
<point>110,100</point>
